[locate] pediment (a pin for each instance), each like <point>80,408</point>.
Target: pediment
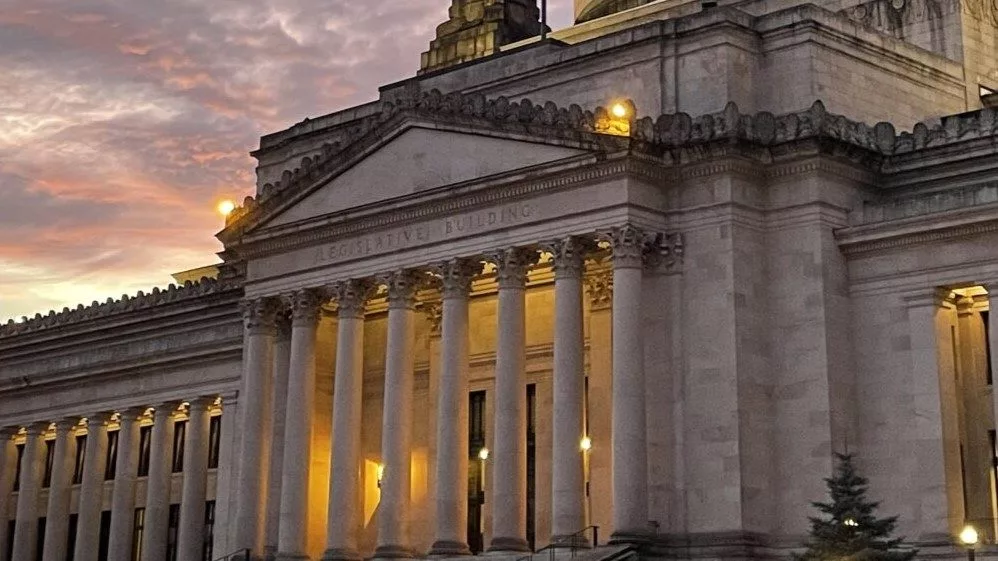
<point>418,159</point>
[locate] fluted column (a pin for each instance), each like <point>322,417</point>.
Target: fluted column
<point>154,534</point>
<point>32,462</point>
<point>452,411</point>
<point>992,341</point>
<point>254,410</point>
<point>8,465</point>
<point>57,516</point>
<point>293,537</point>
<point>630,452</point>
<point>123,496</point>
<point>509,473</point>
<point>282,363</point>
<point>92,489</point>
<point>567,479</point>
<point>344,482</point>
<point>396,430</point>
<point>190,535</point>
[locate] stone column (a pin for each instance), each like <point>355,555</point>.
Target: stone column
<point>123,496</point>
<point>293,536</point>
<point>509,466</point>
<point>190,535</point>
<point>57,516</point>
<point>630,452</point>
<point>154,534</point>
<point>344,481</point>
<point>225,475</point>
<point>32,463</point>
<point>282,362</point>
<point>92,489</point>
<point>396,432</point>
<point>254,405</point>
<point>452,412</point>
<point>567,479</point>
<point>8,465</point>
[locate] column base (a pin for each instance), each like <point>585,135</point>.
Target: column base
<point>509,544</point>
<point>576,541</point>
<point>291,557</point>
<point>633,537</point>
<point>446,547</point>
<point>341,554</point>
<point>393,552</point>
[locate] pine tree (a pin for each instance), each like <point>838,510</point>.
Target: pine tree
<point>853,532</point>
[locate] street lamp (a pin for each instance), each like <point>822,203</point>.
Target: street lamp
<point>969,538</point>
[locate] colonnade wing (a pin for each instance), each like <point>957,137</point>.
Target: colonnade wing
<point>415,159</point>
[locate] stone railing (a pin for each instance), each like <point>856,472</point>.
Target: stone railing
<point>669,130</point>
<point>173,293</point>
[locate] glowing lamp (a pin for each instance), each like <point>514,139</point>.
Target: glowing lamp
<point>618,110</point>
<point>850,522</point>
<point>226,207</point>
<point>381,474</point>
<point>586,444</point>
<point>969,536</point>
<point>483,454</point>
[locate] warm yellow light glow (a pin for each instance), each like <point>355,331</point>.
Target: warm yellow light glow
<point>968,536</point>
<point>483,454</point>
<point>618,110</point>
<point>586,444</point>
<point>850,522</point>
<point>381,472</point>
<point>226,207</point>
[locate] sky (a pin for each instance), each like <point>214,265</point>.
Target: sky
<point>124,122</point>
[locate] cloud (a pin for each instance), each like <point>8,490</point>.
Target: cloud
<point>123,121</point>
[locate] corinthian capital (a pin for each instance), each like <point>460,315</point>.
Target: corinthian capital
<point>599,287</point>
<point>260,315</point>
<point>512,265</point>
<point>629,245</point>
<point>306,305</point>
<point>455,277</point>
<point>350,297</point>
<point>568,255</point>
<point>402,286</point>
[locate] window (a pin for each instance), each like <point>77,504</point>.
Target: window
<point>40,539</point>
<point>171,533</point>
<point>11,526</point>
<point>81,454</point>
<point>214,440</point>
<point>49,453</point>
<point>986,318</point>
<point>74,520</point>
<point>531,463</point>
<point>17,472</point>
<point>476,481</point>
<point>179,437</point>
<point>111,460</point>
<point>104,536</point>
<point>145,438</point>
<point>138,528</point>
<point>209,530</point>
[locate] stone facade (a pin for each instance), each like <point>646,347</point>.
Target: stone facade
<point>649,277</point>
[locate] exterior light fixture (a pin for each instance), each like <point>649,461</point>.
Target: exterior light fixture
<point>226,207</point>
<point>483,454</point>
<point>850,522</point>
<point>586,444</point>
<point>381,474</point>
<point>969,538</point>
<point>618,110</point>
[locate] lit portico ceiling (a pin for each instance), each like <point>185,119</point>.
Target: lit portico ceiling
<point>586,10</point>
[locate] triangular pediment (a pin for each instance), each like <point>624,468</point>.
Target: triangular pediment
<point>417,159</point>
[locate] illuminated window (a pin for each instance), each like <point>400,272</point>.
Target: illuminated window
<point>214,440</point>
<point>17,472</point>
<point>81,454</point>
<point>111,459</point>
<point>145,440</point>
<point>179,438</point>
<point>138,529</point>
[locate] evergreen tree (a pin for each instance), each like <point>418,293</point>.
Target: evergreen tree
<point>853,532</point>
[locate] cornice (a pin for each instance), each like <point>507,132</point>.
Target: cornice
<point>890,236</point>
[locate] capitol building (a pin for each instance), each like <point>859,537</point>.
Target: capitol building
<point>630,284</point>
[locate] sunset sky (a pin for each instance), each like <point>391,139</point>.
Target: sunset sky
<point>123,122</point>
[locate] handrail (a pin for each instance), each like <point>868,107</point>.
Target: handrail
<point>244,555</point>
<point>570,542</point>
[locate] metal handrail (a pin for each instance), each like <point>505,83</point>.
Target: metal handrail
<point>568,541</point>
<point>243,555</point>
